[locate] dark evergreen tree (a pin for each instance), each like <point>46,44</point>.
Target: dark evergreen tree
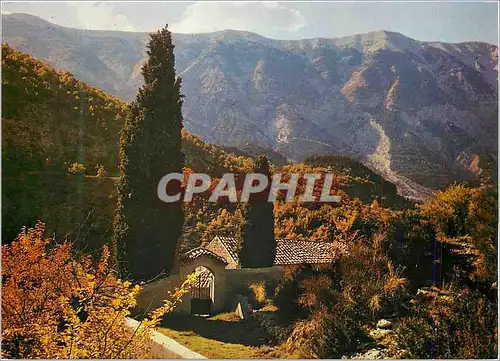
<point>257,243</point>
<point>147,229</point>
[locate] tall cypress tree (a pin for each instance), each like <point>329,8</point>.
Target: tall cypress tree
<point>257,243</point>
<point>146,229</point>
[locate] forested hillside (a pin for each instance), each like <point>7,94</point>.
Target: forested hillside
<point>60,151</point>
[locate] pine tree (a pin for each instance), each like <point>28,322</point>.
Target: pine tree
<point>256,237</point>
<point>146,229</point>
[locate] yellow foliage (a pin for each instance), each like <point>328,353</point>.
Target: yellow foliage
<point>101,171</point>
<point>55,305</point>
<point>375,303</point>
<point>393,283</point>
<point>259,291</point>
<point>77,168</point>
<point>466,219</point>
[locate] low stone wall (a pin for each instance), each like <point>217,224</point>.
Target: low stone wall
<point>228,284</point>
<point>241,276</point>
<point>153,294</point>
<point>238,280</point>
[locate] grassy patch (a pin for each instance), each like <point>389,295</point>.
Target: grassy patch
<point>222,336</point>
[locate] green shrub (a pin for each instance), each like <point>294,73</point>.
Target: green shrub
<point>327,334</point>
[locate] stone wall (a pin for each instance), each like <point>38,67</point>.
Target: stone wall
<point>228,284</point>
<point>238,281</point>
<point>153,294</point>
<point>240,276</point>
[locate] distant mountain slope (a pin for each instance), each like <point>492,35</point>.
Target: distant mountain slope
<point>418,113</point>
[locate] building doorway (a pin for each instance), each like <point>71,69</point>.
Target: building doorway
<point>203,292</point>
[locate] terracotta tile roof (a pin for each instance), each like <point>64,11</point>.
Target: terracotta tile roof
<point>289,252</point>
<point>200,251</point>
<point>231,245</point>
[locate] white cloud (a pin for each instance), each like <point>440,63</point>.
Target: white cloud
<point>264,18</point>
<point>102,16</point>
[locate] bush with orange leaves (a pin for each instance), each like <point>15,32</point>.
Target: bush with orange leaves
<point>57,306</point>
<point>450,323</point>
<point>331,305</point>
<point>465,220</point>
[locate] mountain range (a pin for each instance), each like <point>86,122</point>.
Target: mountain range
<point>421,114</point>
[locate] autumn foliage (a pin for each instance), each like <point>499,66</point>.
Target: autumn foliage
<point>465,220</point>
<point>330,305</point>
<point>56,305</point>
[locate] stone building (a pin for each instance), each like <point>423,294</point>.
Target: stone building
<point>220,277</point>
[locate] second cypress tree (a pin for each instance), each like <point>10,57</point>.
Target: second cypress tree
<point>257,242</point>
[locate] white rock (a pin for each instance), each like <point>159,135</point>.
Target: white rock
<point>380,334</point>
<point>384,324</point>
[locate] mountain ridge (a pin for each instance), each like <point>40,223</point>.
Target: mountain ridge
<point>416,112</point>
<point>41,20</point>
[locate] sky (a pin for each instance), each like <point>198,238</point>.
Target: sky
<point>425,20</point>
